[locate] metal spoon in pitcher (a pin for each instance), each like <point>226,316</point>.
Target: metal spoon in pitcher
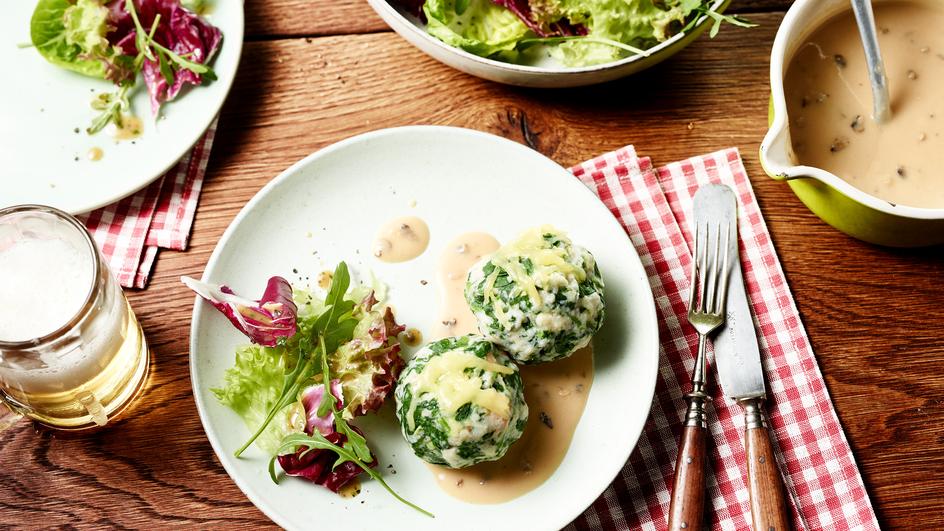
<point>881,107</point>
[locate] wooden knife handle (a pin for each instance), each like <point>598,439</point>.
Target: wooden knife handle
<point>687,506</point>
<point>768,507</point>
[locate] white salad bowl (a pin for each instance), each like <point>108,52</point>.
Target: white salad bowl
<point>827,195</point>
<point>545,75</point>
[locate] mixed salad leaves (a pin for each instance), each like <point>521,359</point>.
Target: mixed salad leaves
<point>313,365</point>
<point>164,41</point>
<point>575,32</point>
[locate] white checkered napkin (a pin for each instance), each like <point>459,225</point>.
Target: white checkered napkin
<point>639,497</point>
<point>131,231</point>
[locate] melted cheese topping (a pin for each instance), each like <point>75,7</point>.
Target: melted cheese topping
<point>546,260</point>
<point>445,378</point>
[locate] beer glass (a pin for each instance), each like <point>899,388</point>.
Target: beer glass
<point>72,354</point>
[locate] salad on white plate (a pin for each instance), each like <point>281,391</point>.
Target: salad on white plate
<point>165,43</point>
<point>108,94</point>
<point>313,365</point>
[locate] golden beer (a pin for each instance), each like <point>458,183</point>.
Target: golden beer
<point>72,354</point>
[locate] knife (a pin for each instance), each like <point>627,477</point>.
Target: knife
<point>737,358</point>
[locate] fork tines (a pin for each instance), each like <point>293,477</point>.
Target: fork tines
<point>709,281</point>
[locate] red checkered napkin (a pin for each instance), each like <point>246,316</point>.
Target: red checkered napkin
<point>823,482</point>
<point>131,231</point>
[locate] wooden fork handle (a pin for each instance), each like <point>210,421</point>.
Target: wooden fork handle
<point>687,505</point>
<point>768,507</point>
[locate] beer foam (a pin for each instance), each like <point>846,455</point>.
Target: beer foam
<point>43,284</point>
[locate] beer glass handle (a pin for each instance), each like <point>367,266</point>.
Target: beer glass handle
<point>93,406</point>
<point>8,416</point>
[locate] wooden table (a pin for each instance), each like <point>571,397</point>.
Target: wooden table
<point>314,72</point>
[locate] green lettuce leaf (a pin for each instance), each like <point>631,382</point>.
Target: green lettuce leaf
<point>86,24</point>
<point>638,23</point>
<point>476,26</point>
<point>251,387</point>
<point>72,35</point>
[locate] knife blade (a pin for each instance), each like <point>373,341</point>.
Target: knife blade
<point>741,374</point>
<point>737,353</point>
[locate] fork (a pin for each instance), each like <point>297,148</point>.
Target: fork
<point>706,310</point>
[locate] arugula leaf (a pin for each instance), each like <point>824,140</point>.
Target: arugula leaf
<point>704,10</point>
<point>146,44</point>
<point>111,107</point>
<point>336,324</point>
<point>316,441</point>
<point>333,327</point>
<point>328,400</point>
<point>356,443</point>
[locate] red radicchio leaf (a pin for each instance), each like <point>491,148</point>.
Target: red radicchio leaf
<point>317,465</point>
<point>311,399</point>
<point>179,30</point>
<point>263,321</point>
<point>521,8</point>
<point>561,28</point>
<point>413,7</point>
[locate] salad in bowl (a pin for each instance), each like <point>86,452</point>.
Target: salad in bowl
<point>553,43</point>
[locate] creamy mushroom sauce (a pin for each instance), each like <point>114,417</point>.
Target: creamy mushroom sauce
<point>829,103</point>
<point>401,239</point>
<point>556,394</point>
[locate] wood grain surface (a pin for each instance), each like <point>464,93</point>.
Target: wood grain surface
<point>315,72</point>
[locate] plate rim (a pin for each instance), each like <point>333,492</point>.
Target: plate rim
<point>198,308</point>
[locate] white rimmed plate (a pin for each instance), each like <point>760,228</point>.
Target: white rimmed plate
<point>41,106</point>
<point>327,208</point>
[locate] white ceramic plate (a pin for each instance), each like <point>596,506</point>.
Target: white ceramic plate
<point>333,202</point>
<point>544,72</point>
<point>41,105</point>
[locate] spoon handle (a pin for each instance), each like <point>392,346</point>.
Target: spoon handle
<point>881,105</point>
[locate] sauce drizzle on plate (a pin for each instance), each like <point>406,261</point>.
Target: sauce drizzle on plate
<point>401,239</point>
<point>556,394</point>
